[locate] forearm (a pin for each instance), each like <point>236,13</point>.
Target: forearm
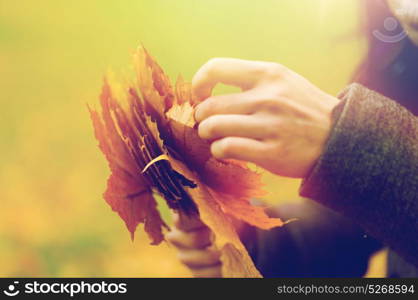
<point>369,169</point>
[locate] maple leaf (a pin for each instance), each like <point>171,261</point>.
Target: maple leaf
<point>147,134</point>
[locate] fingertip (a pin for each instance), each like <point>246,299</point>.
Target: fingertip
<point>197,113</point>
<point>219,148</point>
<point>169,236</point>
<point>202,82</point>
<point>201,93</point>
<point>197,88</point>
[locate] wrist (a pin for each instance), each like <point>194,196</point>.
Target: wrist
<point>326,124</point>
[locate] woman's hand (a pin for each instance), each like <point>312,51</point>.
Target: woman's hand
<point>193,241</point>
<point>279,121</point>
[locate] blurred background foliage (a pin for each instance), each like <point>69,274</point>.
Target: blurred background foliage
<point>53,55</point>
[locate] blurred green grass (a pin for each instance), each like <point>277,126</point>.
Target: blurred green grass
<point>53,55</point>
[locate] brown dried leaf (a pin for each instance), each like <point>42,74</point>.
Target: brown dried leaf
<point>158,122</point>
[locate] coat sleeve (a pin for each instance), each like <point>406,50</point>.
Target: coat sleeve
<point>368,171</point>
<point>320,243</point>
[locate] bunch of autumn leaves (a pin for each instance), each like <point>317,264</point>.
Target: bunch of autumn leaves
<point>147,134</point>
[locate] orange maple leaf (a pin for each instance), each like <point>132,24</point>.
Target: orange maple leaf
<point>147,134</point>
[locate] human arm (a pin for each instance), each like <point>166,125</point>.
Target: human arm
<point>321,243</point>
<point>369,169</point>
<point>368,144</point>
